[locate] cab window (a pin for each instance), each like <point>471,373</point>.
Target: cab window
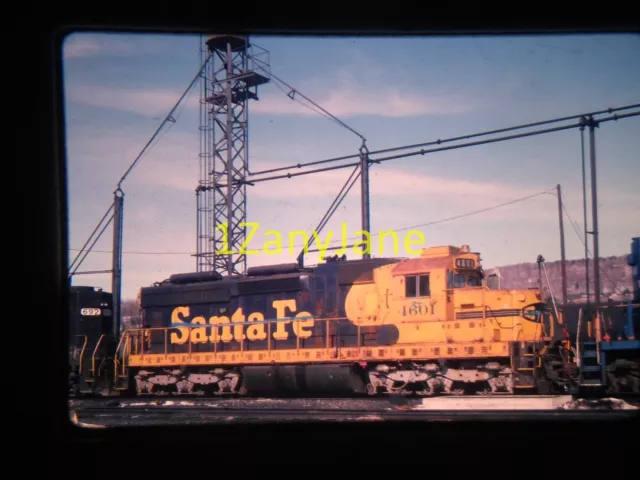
<point>474,282</point>
<point>417,286</point>
<point>455,280</point>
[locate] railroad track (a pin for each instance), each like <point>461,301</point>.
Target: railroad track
<point>142,416</point>
<point>154,412</point>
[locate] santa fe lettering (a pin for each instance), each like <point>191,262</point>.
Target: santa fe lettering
<point>212,334</point>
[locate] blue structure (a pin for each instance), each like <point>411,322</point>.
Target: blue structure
<point>614,363</point>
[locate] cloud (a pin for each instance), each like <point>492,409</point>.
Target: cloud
<point>148,101</point>
<point>353,102</point>
<point>350,98</point>
<point>82,45</point>
<point>88,45</point>
<point>347,98</point>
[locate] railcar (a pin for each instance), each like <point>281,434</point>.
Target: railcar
<point>610,360</point>
<point>427,325</point>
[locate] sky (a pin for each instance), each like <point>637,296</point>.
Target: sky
<point>119,88</point>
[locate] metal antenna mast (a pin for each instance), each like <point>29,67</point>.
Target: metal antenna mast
<point>231,80</point>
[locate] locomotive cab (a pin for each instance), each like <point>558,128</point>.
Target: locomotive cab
<point>441,310</point>
<point>439,297</point>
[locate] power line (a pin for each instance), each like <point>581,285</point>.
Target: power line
<point>168,118</point>
<point>293,92</point>
<point>455,217</point>
<point>448,140</point>
<point>574,225</point>
<point>319,112</point>
<point>441,149</point>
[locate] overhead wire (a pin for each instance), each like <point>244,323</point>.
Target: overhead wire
<point>295,91</point>
<point>169,118</point>
<point>448,140</point>
<point>90,237</point>
<point>602,271</point>
<point>342,194</point>
<point>455,217</point>
<point>310,107</point>
<point>340,197</point>
<point>440,149</point>
<point>334,206</point>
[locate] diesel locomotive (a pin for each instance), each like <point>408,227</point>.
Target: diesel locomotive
<point>609,361</point>
<point>427,325</point>
<point>91,346</point>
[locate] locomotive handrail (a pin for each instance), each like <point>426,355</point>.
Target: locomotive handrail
<point>93,356</point>
<point>82,350</point>
<point>160,344</point>
<point>124,339</point>
<point>144,332</point>
<point>579,338</point>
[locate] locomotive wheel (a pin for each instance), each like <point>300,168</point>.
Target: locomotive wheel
<point>242,391</point>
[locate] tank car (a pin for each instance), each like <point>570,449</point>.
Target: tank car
<point>425,325</point>
<point>90,322</point>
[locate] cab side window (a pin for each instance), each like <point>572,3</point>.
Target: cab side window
<point>417,286</point>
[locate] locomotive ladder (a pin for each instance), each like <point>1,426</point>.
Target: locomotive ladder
<point>525,363</point>
<point>590,365</point>
<point>121,360</point>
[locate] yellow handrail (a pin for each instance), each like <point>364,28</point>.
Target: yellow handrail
<point>93,357</point>
<point>84,346</point>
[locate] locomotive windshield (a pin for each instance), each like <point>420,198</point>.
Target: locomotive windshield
<point>461,280</point>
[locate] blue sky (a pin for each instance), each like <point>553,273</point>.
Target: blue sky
<point>395,91</point>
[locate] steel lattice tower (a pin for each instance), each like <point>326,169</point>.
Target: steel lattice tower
<point>231,79</point>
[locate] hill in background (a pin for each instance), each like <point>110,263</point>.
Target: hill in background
<point>615,278</point>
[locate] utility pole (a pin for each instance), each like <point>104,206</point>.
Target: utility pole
<point>364,179</point>
<point>594,212</point>
<point>562,251</point>
<point>583,123</point>
<point>116,278</point>
<point>539,261</point>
